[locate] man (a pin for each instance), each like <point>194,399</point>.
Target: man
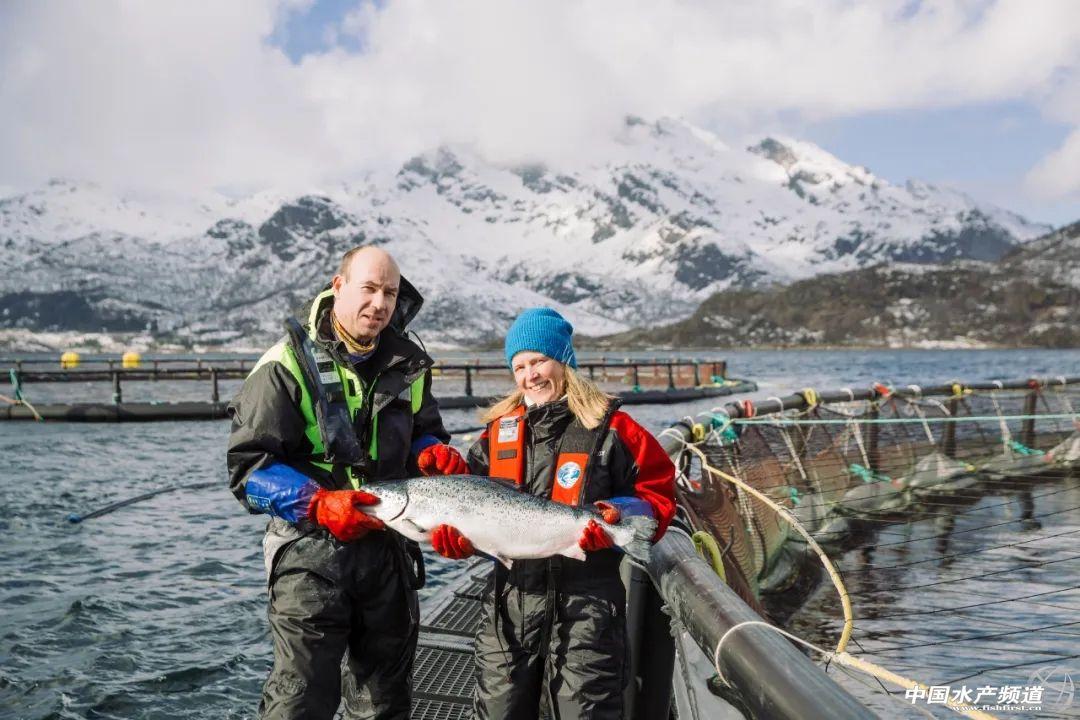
<point>343,402</point>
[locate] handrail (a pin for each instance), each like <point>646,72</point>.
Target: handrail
<point>798,401</point>
<point>602,361</point>
<point>770,676</point>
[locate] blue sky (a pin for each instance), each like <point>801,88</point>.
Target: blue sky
<point>985,149</point>
<point>307,30</point>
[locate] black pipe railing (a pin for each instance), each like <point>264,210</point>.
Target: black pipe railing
<point>796,401</point>
<point>247,360</point>
<point>769,675</point>
<point>237,369</point>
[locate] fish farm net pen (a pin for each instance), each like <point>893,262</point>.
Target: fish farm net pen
<point>855,471</point>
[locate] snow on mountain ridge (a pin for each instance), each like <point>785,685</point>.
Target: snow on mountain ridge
<point>673,215</point>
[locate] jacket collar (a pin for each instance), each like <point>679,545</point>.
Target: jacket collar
<point>394,347</point>
<point>549,419</point>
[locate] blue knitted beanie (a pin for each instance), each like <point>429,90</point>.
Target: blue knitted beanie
<point>544,331</point>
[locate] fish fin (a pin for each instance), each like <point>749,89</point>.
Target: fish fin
<point>411,530</point>
<point>574,551</point>
<point>644,528</point>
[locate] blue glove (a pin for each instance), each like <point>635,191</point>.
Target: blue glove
<point>280,491</point>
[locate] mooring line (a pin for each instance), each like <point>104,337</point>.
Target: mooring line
<point>76,518</point>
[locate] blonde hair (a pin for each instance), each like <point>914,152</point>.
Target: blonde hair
<point>588,403</point>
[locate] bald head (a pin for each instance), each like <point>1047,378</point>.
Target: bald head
<point>366,254</point>
<point>366,291</point>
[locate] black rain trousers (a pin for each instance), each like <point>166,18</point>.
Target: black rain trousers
<point>331,601</point>
<point>581,670</point>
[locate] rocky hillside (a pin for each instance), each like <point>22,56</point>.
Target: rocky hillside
<point>1029,298</point>
<point>661,218</point>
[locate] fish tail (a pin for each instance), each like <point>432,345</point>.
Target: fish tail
<point>644,528</point>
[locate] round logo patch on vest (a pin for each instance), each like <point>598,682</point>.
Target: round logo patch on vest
<point>567,474</point>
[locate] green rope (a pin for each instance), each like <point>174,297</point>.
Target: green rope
<point>13,376</point>
<point>721,422</point>
<point>1022,449</point>
<point>867,475</point>
<point>793,493</point>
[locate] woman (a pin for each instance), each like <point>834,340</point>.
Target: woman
<point>553,629</point>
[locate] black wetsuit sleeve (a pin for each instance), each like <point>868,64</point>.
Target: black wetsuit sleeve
<point>478,456</point>
<point>427,420</point>
<point>267,425</point>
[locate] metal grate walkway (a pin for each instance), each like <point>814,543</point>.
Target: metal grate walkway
<point>443,674</point>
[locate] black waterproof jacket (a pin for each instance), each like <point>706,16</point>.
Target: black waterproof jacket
<point>269,427</point>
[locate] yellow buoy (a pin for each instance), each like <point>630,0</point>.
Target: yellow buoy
<point>131,359</point>
<point>69,360</point>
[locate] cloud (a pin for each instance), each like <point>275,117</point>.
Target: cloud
<point>1058,174</point>
<point>188,94</point>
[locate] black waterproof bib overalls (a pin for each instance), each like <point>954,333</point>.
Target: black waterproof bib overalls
<point>553,631</point>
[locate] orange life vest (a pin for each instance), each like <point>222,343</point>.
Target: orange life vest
<point>506,455</point>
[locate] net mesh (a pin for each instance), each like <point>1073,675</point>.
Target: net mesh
<point>841,466</point>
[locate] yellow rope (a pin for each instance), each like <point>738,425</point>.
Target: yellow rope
<point>959,391</point>
<point>840,655</point>
<point>877,671</point>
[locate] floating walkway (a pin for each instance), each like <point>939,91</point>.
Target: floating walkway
<point>443,670</point>
<point>657,381</point>
<point>199,410</point>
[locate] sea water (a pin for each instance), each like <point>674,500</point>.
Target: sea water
<point>158,610</point>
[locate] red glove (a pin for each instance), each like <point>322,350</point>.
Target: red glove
<point>338,511</point>
<point>609,512</point>
<point>595,538</point>
<point>441,459</point>
<point>450,543</point>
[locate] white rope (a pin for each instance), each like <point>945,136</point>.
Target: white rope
<point>794,455</point>
<point>857,433</point>
<point>1006,436</point>
<point>926,426</point>
<point>845,659</point>
<point>747,623</point>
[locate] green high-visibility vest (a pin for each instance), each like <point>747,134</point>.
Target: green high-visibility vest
<point>355,394</point>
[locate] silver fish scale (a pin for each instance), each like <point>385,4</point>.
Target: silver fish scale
<point>497,518</point>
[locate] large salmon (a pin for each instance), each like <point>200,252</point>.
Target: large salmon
<point>497,518</point>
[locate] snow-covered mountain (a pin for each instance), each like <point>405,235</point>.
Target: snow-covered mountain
<point>1027,299</point>
<point>642,232</point>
